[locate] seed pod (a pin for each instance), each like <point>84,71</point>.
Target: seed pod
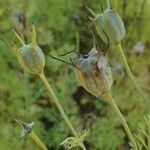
<point>98,21</point>
<point>109,26</point>
<point>26,127</point>
<point>113,26</point>
<point>31,56</point>
<point>94,73</point>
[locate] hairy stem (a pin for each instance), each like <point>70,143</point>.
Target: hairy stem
<point>119,47</point>
<point>36,139</point>
<point>111,101</point>
<point>54,98</point>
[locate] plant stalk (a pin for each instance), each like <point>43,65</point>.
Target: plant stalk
<point>54,98</point>
<point>82,146</point>
<point>111,101</point>
<point>127,68</point>
<point>36,139</point>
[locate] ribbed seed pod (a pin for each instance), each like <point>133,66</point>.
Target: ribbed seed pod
<point>113,26</point>
<point>30,56</point>
<point>32,59</point>
<point>94,73</point>
<point>110,26</point>
<point>98,21</point>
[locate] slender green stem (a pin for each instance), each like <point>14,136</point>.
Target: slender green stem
<point>108,4</point>
<point>19,38</point>
<point>29,132</point>
<point>148,133</point>
<point>82,146</point>
<point>33,36</point>
<point>91,11</point>
<point>37,140</point>
<point>54,98</point>
<point>116,3</point>
<point>111,101</point>
<point>129,71</point>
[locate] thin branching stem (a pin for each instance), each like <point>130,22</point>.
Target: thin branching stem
<point>33,36</point>
<point>54,98</point>
<point>141,141</point>
<point>91,11</point>
<point>82,146</point>
<point>127,68</point>
<point>32,135</point>
<point>111,101</point>
<point>19,38</point>
<point>108,4</point>
<point>37,140</point>
<point>116,4</point>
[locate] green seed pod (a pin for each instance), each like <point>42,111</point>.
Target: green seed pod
<point>31,56</point>
<point>94,73</point>
<point>113,26</point>
<point>32,59</point>
<point>98,21</point>
<point>109,26</point>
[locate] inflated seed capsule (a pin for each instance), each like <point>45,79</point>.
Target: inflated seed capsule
<point>30,56</point>
<point>109,26</point>
<point>113,26</point>
<point>98,21</point>
<point>94,73</point>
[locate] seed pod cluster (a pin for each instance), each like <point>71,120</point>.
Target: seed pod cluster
<point>31,57</point>
<point>110,26</point>
<point>94,73</point>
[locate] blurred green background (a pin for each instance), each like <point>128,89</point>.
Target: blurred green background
<point>64,25</point>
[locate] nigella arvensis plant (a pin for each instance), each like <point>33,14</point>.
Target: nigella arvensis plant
<point>94,74</point>
<point>31,56</point>
<point>32,59</point>
<point>110,27</point>
<point>28,131</point>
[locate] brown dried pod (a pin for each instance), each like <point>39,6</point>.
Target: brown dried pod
<point>93,73</point>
